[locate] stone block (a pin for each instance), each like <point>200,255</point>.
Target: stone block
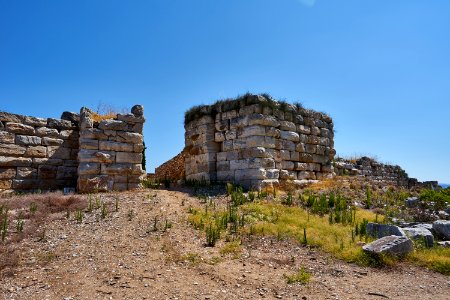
<point>48,161</point>
<point>287,165</point>
<point>19,128</point>
<point>28,140</point>
<point>306,157</point>
<point>295,156</point>
<point>12,150</point>
<point>225,176</point>
<point>381,230</point>
<point>112,125</point>
<point>138,148</point>
<point>255,141</point>
<point>239,123</point>
<point>285,155</point>
<point>223,166</point>
<point>35,122</point>
<point>320,159</point>
<point>287,126</point>
<point>219,137</point>
<point>25,184</point>
<point>272,173</point>
<point>120,186</point>
<point>230,135</point>
<point>115,146</point>
<point>58,152</point>
<point>266,163</point>
<point>137,110</point>
<point>93,133</point>
<point>71,116</point>
<point>130,118</point>
<point>273,132</point>
<point>36,151</point>
<point>85,155</point>
<point>249,174</point>
<point>7,137</point>
<point>66,172</point>
<point>290,136</point>
<point>253,152</point>
<point>134,186</point>
<point>47,132</point>
<point>391,245</point>
<point>303,129</point>
<point>47,172</point>
<point>71,144</point>
<point>127,157</point>
<point>311,148</point>
<point>420,234</point>
<point>59,124</point>
<point>222,125</point>
<point>275,154</point>
<point>239,164</point>
<point>117,169</point>
<point>110,134</point>
<point>301,148</point>
<point>88,144</point>
<point>265,120</point>
<point>69,134</point>
<point>47,141</point>
<point>221,156</point>
<point>7,117</point>
<point>312,139</point>
<point>120,178</point>
<point>253,130</point>
<point>301,166</point>
<point>88,168</point>
<point>7,173</point>
<point>94,183</point>
<point>314,167</point>
<point>227,146</point>
<point>288,175</point>
<point>138,128</point>
<point>442,229</point>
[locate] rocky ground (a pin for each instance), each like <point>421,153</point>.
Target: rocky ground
<point>125,256</point>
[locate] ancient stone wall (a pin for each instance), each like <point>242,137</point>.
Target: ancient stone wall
<point>110,156</point>
<point>173,169</point>
<point>37,153</point>
<point>259,143</point>
<point>374,170</point>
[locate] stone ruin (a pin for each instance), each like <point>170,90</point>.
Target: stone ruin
<point>258,143</point>
<point>75,151</point>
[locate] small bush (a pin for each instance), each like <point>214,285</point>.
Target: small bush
<point>302,276</point>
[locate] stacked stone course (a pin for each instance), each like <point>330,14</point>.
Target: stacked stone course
<point>376,171</point>
<point>37,153</point>
<point>259,144</point>
<point>110,156</point>
<point>74,151</point>
<point>172,169</point>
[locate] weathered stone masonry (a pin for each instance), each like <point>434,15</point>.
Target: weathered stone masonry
<point>259,143</point>
<point>51,154</point>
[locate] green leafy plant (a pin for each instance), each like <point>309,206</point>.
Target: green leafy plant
<point>301,276</point>
<point>79,216</point>
<point>33,207</point>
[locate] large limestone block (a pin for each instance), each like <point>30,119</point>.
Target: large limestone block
<point>12,150</point>
<point>130,137</point>
<point>303,129</point>
<point>253,152</point>
<point>421,234</point>
<point>115,146</point>
<point>285,154</point>
<point>117,169</point>
<point>138,148</point>
<point>295,156</point>
<point>230,135</point>
<point>222,125</point>
<point>36,151</point>
<point>219,137</point>
<point>382,230</point>
<point>312,139</point>
<point>225,176</point>
<point>247,174</point>
<point>88,144</point>
<point>57,152</point>
<point>85,155</point>
<point>59,124</point>
<point>288,175</point>
<point>321,159</point>
<point>301,166</point>
<point>93,133</point>
<point>306,157</point>
<point>266,163</point>
<point>19,128</point>
<point>238,123</point>
<point>35,122</point>
<point>25,184</point>
<point>7,137</point>
<point>48,161</point>
<point>28,140</point>
<point>391,245</point>
<point>273,132</point>
<point>223,165</point>
<point>137,169</point>
<point>47,132</point>
<point>94,183</point>
<point>301,148</point>
<point>7,173</point>
<point>285,145</point>
<point>287,165</point>
<point>112,125</point>
<point>287,126</point>
<point>255,141</point>
<point>260,119</point>
<point>128,157</point>
<point>26,173</point>
<point>47,172</point>
<point>47,141</point>
<point>69,134</point>
<point>130,118</point>
<point>7,117</point>
<point>442,229</point>
<point>239,164</point>
<point>303,175</point>
<point>88,168</point>
<point>253,130</point>
<point>272,173</point>
<point>71,116</point>
<point>311,148</point>
<point>275,154</point>
<point>66,172</point>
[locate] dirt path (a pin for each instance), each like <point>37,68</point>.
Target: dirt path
<point>123,257</point>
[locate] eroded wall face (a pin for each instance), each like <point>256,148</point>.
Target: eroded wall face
<point>110,156</point>
<point>260,147</point>
<point>37,153</point>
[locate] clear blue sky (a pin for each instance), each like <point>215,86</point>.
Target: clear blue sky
<point>381,68</point>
